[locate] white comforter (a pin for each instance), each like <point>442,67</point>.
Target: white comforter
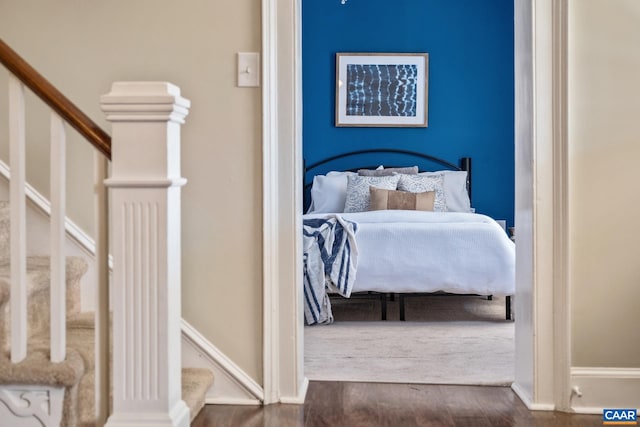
<point>414,251</point>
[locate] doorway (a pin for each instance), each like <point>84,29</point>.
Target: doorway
<point>537,374</point>
<point>470,92</point>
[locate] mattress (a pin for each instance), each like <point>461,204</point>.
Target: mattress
<point>415,251</point>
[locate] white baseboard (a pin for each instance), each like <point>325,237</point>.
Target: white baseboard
<point>231,385</point>
<point>599,388</point>
<point>231,401</point>
<point>602,388</point>
<point>528,402</point>
<point>299,399</point>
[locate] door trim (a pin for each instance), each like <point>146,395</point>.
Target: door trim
<point>547,293</point>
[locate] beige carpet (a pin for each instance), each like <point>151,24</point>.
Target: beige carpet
<point>445,340</point>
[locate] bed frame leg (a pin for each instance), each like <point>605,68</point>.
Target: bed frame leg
<point>401,304</point>
<point>508,307</point>
<point>383,305</point>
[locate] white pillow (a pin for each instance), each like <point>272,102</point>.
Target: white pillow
<point>329,192</point>
<point>456,195</point>
<point>358,190</point>
<point>421,183</point>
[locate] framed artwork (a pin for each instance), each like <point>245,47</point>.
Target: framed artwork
<point>382,89</point>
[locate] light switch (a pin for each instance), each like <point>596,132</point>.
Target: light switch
<point>248,69</point>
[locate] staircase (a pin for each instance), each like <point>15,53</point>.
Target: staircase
<point>76,374</point>
<point>54,359</point>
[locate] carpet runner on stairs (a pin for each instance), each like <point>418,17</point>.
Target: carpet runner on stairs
<point>76,373</point>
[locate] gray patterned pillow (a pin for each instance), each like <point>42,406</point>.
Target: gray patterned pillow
<point>422,183</point>
<point>411,170</point>
<point>358,190</point>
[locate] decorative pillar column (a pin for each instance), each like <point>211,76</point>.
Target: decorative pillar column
<point>145,222</point>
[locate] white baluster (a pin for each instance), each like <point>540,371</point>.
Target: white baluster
<point>58,259</point>
<point>17,217</point>
<point>102,385</point>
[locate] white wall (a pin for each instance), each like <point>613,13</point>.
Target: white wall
<point>604,140</point>
<point>604,135</point>
<point>84,46</point>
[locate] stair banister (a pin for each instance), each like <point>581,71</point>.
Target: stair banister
<point>63,111</point>
<point>59,103</point>
<point>145,187</point>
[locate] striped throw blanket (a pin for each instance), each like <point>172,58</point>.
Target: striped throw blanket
<point>330,260</point>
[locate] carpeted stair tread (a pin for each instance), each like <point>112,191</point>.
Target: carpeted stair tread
<point>84,320</point>
<point>75,265</point>
<point>195,383</point>
<point>37,369</point>
<point>4,292</point>
<point>39,277</point>
<point>5,231</point>
<point>80,336</point>
<point>37,285</point>
<point>4,299</point>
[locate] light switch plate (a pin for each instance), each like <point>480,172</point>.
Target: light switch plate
<point>248,69</point>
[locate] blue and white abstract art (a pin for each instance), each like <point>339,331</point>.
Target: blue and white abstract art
<point>383,90</point>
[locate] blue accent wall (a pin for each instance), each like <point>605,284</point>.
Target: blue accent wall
<point>471,84</point>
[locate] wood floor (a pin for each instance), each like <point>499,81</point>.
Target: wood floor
<point>341,404</point>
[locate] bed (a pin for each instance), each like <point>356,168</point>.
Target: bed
<point>430,241</point>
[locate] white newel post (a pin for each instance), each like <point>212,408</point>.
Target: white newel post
<point>145,219</point>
